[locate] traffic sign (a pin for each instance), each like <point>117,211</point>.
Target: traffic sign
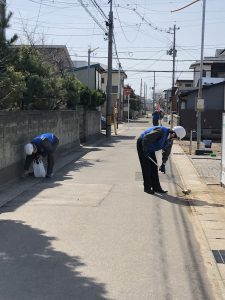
<point>127,92</point>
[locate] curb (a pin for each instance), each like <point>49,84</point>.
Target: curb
<point>201,213</point>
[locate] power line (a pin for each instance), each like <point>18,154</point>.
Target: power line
<point>99,9</point>
<point>93,17</point>
<point>159,71</point>
<point>123,29</point>
<point>141,59</point>
<point>54,34</point>
<point>184,6</point>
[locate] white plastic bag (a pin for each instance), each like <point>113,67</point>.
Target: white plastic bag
<point>39,169</point>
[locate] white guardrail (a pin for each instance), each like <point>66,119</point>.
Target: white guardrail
<point>223,152</point>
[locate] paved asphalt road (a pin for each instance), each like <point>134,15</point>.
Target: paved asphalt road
<point>91,233</point>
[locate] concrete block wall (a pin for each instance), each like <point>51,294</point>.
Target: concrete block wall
<point>81,113</point>
<point>93,124</point>
<point>89,124</point>
<point>19,128</point>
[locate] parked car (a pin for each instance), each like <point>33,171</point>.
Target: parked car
<point>103,123</point>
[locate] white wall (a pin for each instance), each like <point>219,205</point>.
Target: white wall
<point>207,68</point>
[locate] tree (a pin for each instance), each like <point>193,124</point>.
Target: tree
<point>72,89</point>
<point>98,98</point>
<point>12,83</point>
<point>135,104</point>
<point>12,87</point>
<point>43,90</point>
<point>28,82</point>
<point>7,54</point>
<point>85,95</point>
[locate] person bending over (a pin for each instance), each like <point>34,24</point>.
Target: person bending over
<point>41,146</point>
<point>151,140</point>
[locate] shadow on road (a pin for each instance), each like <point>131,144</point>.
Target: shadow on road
<point>184,201</point>
<point>37,185</point>
<point>34,270</point>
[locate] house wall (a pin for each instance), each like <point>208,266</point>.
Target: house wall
<point>206,68</point>
<point>19,128</point>
<point>184,84</point>
<point>211,118</point>
<point>210,123</point>
<point>214,98</point>
<point>98,83</point>
<point>218,70</point>
<point>115,81</point>
<point>82,75</point>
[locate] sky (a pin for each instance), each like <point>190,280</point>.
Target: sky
<point>142,33</point>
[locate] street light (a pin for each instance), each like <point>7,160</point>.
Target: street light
<point>200,100</point>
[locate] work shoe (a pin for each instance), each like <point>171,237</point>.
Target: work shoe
<point>161,191</point>
<point>149,191</point>
<point>49,175</point>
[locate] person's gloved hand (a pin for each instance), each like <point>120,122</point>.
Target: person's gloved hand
<point>163,168</point>
<point>39,157</point>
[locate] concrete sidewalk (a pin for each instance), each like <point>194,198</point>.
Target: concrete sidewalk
<point>207,200</point>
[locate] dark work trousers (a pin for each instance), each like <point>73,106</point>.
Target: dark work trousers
<point>51,162</point>
<point>155,122</point>
<point>149,169</point>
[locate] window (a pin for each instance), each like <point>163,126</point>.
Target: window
<point>114,89</point>
<point>221,75</point>
<point>102,80</point>
<point>187,84</point>
<point>183,105</point>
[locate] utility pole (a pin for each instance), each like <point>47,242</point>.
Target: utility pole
<point>145,95</point>
<point>89,61</point>
<point>109,80</point>
<point>2,18</point>
<point>118,102</point>
<point>200,100</point>
<point>173,52</point>
<point>153,94</point>
<point>141,91</point>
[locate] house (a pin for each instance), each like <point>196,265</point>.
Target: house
<point>212,66</point>
<point>98,76</point>
<point>118,77</point>
<point>55,55</point>
<point>213,84</point>
<point>211,117</point>
<point>167,99</point>
<point>184,84</point>
<point>92,77</point>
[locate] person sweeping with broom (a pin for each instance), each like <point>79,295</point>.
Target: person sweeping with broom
<point>151,140</point>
